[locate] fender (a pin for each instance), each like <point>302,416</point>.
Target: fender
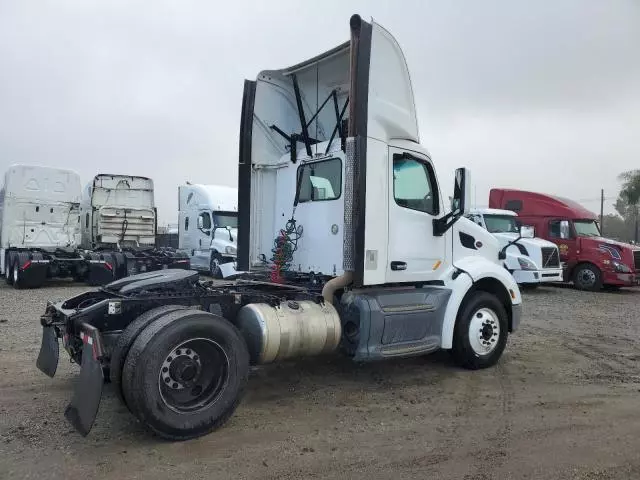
<point>478,268</point>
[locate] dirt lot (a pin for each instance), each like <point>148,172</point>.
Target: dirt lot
<point>563,402</point>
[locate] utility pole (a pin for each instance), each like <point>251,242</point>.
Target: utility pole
<point>602,211</point>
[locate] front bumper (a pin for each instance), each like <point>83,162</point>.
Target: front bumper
<point>538,276</point>
<point>621,279</point>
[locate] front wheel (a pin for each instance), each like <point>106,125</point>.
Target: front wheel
<point>185,374</point>
<point>214,265</point>
<point>587,277</point>
<point>481,331</point>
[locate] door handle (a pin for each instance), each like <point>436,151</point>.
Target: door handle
<point>398,265</point>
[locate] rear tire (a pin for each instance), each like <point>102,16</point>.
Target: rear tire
<point>126,339</point>
<point>8,272</point>
<point>480,334</point>
<point>587,277</point>
<point>16,276</point>
<point>203,351</point>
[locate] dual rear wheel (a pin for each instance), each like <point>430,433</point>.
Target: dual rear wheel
<point>181,371</point>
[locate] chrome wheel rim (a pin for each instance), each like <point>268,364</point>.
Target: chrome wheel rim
<point>587,278</point>
<point>484,331</point>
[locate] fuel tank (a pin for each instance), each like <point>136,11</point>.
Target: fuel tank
<point>292,329</point>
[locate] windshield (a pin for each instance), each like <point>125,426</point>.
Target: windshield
<point>586,228</point>
<point>501,224</point>
<point>225,219</point>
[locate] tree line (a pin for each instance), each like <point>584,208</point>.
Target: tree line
<point>625,225</point>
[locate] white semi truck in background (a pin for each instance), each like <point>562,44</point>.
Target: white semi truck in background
<point>48,229</point>
<point>208,227</point>
<point>530,260</point>
<point>39,225</point>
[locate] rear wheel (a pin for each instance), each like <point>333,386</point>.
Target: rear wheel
<point>125,341</point>
<point>185,374</point>
<point>480,334</point>
<point>587,277</point>
<point>8,270</point>
<point>16,275</point>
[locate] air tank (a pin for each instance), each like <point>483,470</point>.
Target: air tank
<point>292,329</point>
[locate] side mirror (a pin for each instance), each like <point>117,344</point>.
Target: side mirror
<point>527,231</point>
<point>459,203</point>
<point>461,192</point>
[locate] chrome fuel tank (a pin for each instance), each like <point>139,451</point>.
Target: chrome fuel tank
<point>292,329</point>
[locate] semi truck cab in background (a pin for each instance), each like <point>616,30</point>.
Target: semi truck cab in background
<point>39,225</point>
<point>530,260</point>
<point>590,260</point>
<point>208,227</point>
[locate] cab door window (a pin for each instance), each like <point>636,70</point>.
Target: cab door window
<point>414,184</point>
<point>560,229</point>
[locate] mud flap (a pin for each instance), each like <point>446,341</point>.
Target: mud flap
<point>49,352</point>
<point>82,410</point>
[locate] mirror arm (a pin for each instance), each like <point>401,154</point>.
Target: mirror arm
<point>503,253</point>
<point>441,225</point>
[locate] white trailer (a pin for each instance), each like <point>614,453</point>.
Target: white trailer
<point>530,260</point>
<point>208,227</point>
<point>39,225</point>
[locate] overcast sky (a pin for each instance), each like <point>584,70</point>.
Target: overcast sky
<point>540,95</point>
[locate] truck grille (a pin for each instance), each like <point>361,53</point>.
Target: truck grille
<point>550,257</point>
<point>636,259</point>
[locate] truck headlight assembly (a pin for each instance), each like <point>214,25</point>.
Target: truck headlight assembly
<point>229,250</point>
<point>620,267</point>
<point>526,264</point>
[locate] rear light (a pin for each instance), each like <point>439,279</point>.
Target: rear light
<point>26,265</point>
<point>109,266</point>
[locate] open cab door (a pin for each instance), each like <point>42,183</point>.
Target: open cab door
<point>354,103</point>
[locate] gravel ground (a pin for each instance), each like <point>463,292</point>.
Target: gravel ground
<point>562,403</point>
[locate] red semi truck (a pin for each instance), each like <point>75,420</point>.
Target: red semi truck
<point>590,261</point>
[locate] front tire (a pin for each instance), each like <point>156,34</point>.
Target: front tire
<point>185,374</point>
<point>214,265</point>
<point>587,277</point>
<point>481,331</point>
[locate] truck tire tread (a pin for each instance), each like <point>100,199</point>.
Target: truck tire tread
<point>140,374</point>
<point>462,351</point>
<point>126,339</point>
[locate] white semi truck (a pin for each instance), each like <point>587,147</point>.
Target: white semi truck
<point>531,261</point>
<point>208,227</point>
<point>48,229</point>
<point>119,226</point>
<point>39,225</point>
<point>364,256</point>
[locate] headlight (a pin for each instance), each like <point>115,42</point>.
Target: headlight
<point>526,264</point>
<point>620,267</point>
<point>229,250</point>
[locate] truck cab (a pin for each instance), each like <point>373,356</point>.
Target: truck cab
<point>208,227</point>
<point>591,261</point>
<point>334,184</point>
<point>530,260</point>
